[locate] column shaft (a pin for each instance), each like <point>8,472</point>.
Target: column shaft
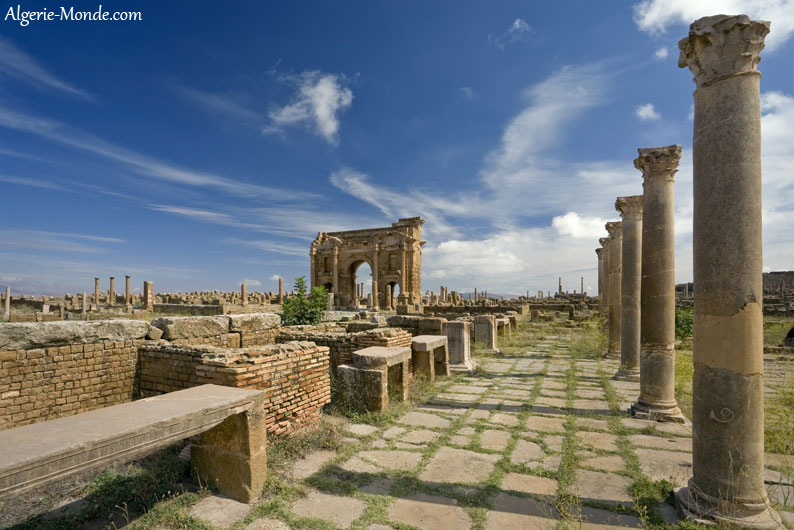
<point>615,270</point>
<point>630,209</point>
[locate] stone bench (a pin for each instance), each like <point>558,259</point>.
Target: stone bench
<point>377,373</point>
<point>503,326</point>
<point>430,355</point>
<point>230,454</point>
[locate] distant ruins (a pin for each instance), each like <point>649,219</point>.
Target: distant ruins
<point>394,255</point>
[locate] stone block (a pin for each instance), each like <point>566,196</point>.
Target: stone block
<point>192,327</point>
<point>252,322</point>
<point>381,356</point>
<point>361,389</point>
<point>485,330</point>
<point>458,334</point>
<point>28,336</point>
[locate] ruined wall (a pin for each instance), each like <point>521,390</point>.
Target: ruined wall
<point>342,343</point>
<point>521,309</point>
<point>295,376</point>
<point>226,331</point>
<point>418,325</point>
<point>54,369</point>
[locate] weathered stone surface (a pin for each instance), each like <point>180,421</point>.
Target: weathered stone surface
<point>396,460</point>
<point>602,487</point>
<point>219,511</point>
<point>341,510</point>
<point>424,419</point>
<point>420,436</point>
<point>381,356</point>
<point>598,440</point>
<point>311,464</point>
<point>191,327</point>
<point>517,513</point>
<point>154,333</point>
<point>494,440</point>
<point>267,523</point>
<point>543,424</point>
<point>459,465</point>
<point>530,484</point>
<point>605,463</point>
<point>661,442</point>
<point>361,429</point>
<point>526,451</point>
<point>673,466</point>
<point>504,418</point>
<point>30,335</point>
<point>249,322</point>
<point>430,512</point>
<point>595,519</point>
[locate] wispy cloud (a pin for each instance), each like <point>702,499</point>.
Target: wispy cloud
<point>251,283</point>
<point>222,104</point>
<point>466,92</point>
<point>318,100</point>
<point>647,112</point>
<point>142,164</point>
<point>515,33</point>
<point>656,16</point>
<point>34,183</point>
<point>264,245</point>
<point>54,241</point>
<point>19,65</point>
<point>661,54</point>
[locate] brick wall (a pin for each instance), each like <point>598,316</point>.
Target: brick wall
<point>294,374</point>
<point>54,369</point>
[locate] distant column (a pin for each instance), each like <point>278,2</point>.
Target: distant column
<point>96,291</point>
<point>313,266</point>
<point>559,287</point>
<point>244,294</point>
<point>375,294</point>
<point>727,485</point>
<point>657,336</point>
<point>127,294</point>
<point>630,209</point>
<point>615,269</point>
<point>112,292</point>
<point>148,295</point>
<point>280,299</point>
<point>7,304</point>
<point>84,307</point>
<point>335,286</point>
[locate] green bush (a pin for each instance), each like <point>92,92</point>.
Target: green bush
<point>683,322</point>
<point>302,309</point>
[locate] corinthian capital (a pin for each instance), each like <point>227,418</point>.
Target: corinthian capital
<point>722,46</point>
<point>604,241</point>
<point>615,229</point>
<point>658,162</point>
<point>629,207</point>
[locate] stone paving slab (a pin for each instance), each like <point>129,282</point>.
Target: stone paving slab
<point>219,511</point>
<point>424,419</point>
<point>665,465</point>
<point>311,464</point>
<point>494,440</point>
<point>341,510</point>
<point>526,451</point>
<point>661,442</point>
<point>430,512</point>
<point>393,460</point>
<point>544,424</point>
<point>267,523</point>
<point>520,513</point>
<point>608,488</point>
<point>530,484</point>
<point>459,465</point>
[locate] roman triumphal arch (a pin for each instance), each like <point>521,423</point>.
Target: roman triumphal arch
<point>394,255</point>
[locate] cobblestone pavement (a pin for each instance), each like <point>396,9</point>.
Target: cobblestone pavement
<point>536,440</point>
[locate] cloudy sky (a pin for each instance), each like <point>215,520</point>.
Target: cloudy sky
<point>207,144</point>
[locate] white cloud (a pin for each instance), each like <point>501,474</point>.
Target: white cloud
<point>21,66</point>
<point>275,278</point>
<point>576,226</point>
<point>318,99</point>
<point>54,241</point>
<point>515,33</point>
<point>661,54</point>
<point>142,164</point>
<point>224,105</point>
<point>250,283</point>
<point>467,92</point>
<point>655,16</point>
<point>646,112</point>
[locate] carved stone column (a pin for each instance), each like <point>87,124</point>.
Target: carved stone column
<point>335,286</point>
<point>313,267</point>
<point>657,335</point>
<point>375,293</point>
<point>630,209</point>
<point>112,293</point>
<point>615,269</point>
<point>603,302</point>
<point>96,291</point>
<point>727,485</point>
<point>127,294</point>
<point>403,271</point>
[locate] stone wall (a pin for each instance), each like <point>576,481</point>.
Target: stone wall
<point>294,374</point>
<point>226,331</point>
<point>521,309</point>
<point>342,343</point>
<point>418,325</point>
<point>54,369</point>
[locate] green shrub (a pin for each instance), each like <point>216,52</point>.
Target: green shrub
<point>302,309</point>
<point>683,322</point>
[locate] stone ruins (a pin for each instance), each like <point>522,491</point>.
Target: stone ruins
<point>513,426</point>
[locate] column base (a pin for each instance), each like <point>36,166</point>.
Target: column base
<point>698,507</point>
<point>613,354</point>
<point>664,412</point>
<point>626,374</point>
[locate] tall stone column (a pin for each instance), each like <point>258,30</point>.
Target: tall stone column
<point>657,335</point>
<point>630,209</point>
<point>375,293</point>
<point>244,295</point>
<point>335,286</point>
<point>112,292</point>
<point>600,283</point>
<point>313,267</point>
<point>727,484</point>
<point>148,295</point>
<point>615,270</point>
<point>96,291</point>
<point>84,306</point>
<point>403,272</point>
<point>127,294</point>
<point>603,308</point>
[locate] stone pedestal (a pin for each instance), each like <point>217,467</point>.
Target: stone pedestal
<point>436,346</point>
<point>727,484</point>
<point>657,335</point>
<point>458,342</point>
<point>615,270</point>
<point>630,209</point>
<point>485,330</point>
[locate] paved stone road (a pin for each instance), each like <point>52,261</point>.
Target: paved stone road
<point>532,441</point>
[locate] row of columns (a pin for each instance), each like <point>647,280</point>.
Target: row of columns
<point>637,279</point>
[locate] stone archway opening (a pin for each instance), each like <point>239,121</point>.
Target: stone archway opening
<point>360,277</point>
<point>392,293</point>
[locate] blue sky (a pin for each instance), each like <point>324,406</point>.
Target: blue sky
<point>208,143</point>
